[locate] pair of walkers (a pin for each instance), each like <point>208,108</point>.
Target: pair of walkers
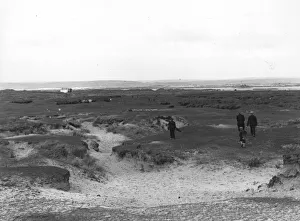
<point>252,122</point>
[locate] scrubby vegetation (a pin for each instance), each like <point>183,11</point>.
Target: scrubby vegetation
<point>22,101</point>
<point>110,119</point>
<point>68,101</point>
<point>254,162</point>
<point>23,127</point>
<point>76,155</point>
<point>57,150</point>
<point>89,166</point>
<point>147,153</point>
<point>230,104</point>
<point>236,99</point>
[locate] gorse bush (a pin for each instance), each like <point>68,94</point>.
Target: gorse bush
<point>89,161</point>
<point>68,101</point>
<point>74,155</point>
<point>23,127</point>
<point>22,101</point>
<point>79,151</point>
<point>57,150</point>
<point>53,150</point>
<point>111,119</point>
<point>254,162</point>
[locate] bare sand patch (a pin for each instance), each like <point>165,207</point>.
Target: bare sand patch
<point>22,150</point>
<point>106,140</point>
<point>127,186</point>
<point>223,126</point>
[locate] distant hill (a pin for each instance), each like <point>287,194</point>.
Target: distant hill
<point>70,84</point>
<point>152,84</point>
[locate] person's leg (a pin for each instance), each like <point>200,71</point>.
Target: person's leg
<point>253,131</point>
<point>172,134</point>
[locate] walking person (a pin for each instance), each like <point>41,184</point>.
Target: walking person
<point>240,118</point>
<point>242,135</point>
<point>172,127</point>
<point>252,122</point>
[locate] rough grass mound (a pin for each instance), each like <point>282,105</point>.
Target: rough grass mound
<point>23,127</point>
<point>21,101</point>
<point>56,150</point>
<point>254,162</point>
<point>76,155</point>
<point>68,101</point>
<point>146,153</point>
<point>110,119</point>
<point>90,167</point>
<point>53,177</point>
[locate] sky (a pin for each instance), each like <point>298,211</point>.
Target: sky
<point>81,40</point>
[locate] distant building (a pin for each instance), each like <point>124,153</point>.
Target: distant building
<point>66,90</point>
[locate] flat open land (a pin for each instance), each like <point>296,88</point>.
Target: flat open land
<point>107,155</point>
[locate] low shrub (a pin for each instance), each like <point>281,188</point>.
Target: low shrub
<point>89,161</point>
<point>23,127</point>
<point>77,133</point>
<point>91,168</point>
<point>68,101</point>
<point>4,142</point>
<point>76,162</point>
<point>74,124</point>
<point>136,151</point>
<point>161,159</point>
<point>124,152</point>
<point>54,150</point>
<point>56,126</point>
<point>111,119</point>
<point>107,99</point>
<point>79,151</point>
<point>254,162</point>
<point>22,101</point>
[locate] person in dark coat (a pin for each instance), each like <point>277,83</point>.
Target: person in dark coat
<point>252,122</point>
<point>172,127</point>
<point>240,121</point>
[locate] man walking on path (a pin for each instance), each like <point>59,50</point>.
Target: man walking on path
<point>172,127</point>
<point>252,122</point>
<point>240,121</point>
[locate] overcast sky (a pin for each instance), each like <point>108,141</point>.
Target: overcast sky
<point>59,40</point>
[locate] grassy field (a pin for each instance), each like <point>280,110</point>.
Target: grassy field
<point>103,137</point>
<point>134,113</point>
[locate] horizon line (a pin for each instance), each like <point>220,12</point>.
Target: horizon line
<point>179,79</point>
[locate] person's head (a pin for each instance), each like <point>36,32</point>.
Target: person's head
<point>251,112</point>
<point>241,128</point>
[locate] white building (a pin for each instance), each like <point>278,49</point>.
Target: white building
<point>66,90</point>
